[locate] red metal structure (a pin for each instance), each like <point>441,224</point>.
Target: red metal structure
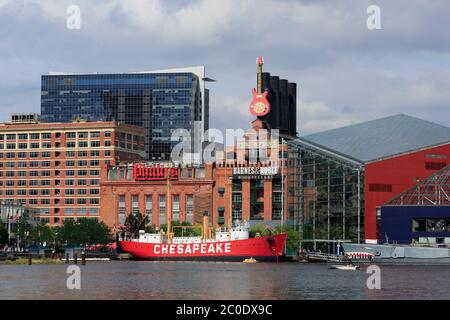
<point>386,178</point>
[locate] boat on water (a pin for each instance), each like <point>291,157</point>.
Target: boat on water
<point>347,267</point>
<point>250,260</point>
<point>233,244</point>
<point>398,253</point>
<point>230,243</point>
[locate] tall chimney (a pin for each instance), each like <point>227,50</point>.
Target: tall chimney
<point>205,225</point>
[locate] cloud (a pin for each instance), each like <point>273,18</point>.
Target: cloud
<point>345,72</point>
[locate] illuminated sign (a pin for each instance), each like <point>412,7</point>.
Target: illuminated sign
<point>254,172</point>
<point>154,173</point>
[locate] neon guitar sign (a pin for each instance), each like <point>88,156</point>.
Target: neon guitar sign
<point>260,105</point>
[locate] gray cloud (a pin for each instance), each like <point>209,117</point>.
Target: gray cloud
<point>345,72</point>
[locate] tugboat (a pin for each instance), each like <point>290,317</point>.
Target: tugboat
<point>227,245</point>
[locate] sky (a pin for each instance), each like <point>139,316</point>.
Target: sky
<point>345,72</point>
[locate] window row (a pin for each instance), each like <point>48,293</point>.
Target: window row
<point>48,135</point>
<point>47,154</point>
<point>46,192</point>
<point>35,183</point>
<point>47,173</point>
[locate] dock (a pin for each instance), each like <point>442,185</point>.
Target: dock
<point>324,257</point>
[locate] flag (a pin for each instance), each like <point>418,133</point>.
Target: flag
<point>16,215</point>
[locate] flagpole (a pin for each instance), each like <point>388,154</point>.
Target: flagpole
<point>9,223</point>
<point>18,231</point>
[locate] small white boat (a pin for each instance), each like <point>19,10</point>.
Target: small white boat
<point>345,267</point>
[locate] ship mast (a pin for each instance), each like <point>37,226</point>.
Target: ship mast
<point>230,218</point>
<point>169,210</point>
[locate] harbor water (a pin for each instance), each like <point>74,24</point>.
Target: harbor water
<point>214,280</point>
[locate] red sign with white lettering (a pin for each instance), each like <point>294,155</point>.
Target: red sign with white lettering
<point>153,173</point>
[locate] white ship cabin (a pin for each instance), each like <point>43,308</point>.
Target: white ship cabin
<point>149,237</point>
<point>239,231</point>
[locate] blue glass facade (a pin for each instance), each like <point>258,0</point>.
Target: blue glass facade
<point>159,102</point>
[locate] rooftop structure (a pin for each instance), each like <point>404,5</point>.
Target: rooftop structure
<point>382,138</point>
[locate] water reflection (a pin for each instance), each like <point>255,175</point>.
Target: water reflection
<point>206,280</point>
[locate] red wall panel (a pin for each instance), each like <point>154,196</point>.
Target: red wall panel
<point>402,172</point>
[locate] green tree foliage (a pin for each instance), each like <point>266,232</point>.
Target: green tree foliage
<point>186,232</point>
<point>3,235</point>
<point>23,227</point>
<point>292,240</point>
<point>134,223</point>
<point>42,233</point>
<point>262,229</point>
<point>84,232</point>
<point>94,232</point>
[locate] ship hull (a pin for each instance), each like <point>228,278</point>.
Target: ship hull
<point>268,248</point>
<point>401,254</point>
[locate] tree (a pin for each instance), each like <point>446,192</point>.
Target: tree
<point>151,229</point>
<point>42,233</point>
<point>191,231</point>
<point>3,235</point>
<point>292,240</point>
<point>94,232</point>
<point>85,231</point>
<point>69,233</point>
<point>262,229</point>
<point>134,223</point>
<point>23,227</point>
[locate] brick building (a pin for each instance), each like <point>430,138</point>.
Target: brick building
<point>251,188</point>
<point>122,193</point>
<point>56,167</point>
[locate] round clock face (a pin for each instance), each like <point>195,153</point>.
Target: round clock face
<point>259,107</point>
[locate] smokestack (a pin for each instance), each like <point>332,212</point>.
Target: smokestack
<point>205,225</point>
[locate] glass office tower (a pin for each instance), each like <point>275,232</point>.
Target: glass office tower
<point>160,101</point>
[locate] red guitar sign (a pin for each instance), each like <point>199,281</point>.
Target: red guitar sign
<point>260,105</point>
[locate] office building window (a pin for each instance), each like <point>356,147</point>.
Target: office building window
<point>190,208</point>
<point>121,212</point>
<point>175,207</point>
<point>135,205</point>
<point>162,209</point>
<point>148,209</point>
